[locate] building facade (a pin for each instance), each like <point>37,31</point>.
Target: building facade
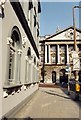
<point>56,54</point>
<point>20,58</point>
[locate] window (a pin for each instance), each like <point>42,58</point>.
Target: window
<point>29,52</point>
<point>37,32</point>
<point>34,20</point>
<point>53,53</point>
<point>39,7</point>
<point>53,48</point>
<point>30,5</point>
<point>62,48</point>
<point>35,11</point>
<point>35,60</point>
<point>53,59</point>
<point>11,64</point>
<point>2,12</point>
<point>71,48</point>
<point>15,57</point>
<point>62,54</point>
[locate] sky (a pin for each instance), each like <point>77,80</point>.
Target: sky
<point>54,14</point>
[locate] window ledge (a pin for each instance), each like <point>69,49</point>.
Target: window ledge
<point>12,86</point>
<point>26,85</point>
<point>12,89</point>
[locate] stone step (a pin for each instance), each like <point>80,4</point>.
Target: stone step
<point>49,85</point>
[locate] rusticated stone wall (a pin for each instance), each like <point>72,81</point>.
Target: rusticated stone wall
<point>48,74</point>
<point>49,69</point>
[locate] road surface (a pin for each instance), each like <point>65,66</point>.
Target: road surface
<point>50,103</point>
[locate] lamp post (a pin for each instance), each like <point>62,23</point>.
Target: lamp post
<point>77,87</point>
<point>43,71</point>
<point>75,45</point>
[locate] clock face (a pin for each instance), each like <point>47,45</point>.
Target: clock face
<point>70,34</point>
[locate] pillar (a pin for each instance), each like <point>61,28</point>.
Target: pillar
<point>19,65</point>
<point>45,53</point>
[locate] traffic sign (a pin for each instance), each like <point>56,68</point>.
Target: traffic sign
<point>76,61</point>
<point>76,64</point>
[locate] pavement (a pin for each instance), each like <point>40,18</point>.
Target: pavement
<point>50,103</point>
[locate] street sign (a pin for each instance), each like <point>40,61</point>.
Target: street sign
<point>76,61</point>
<point>76,64</point>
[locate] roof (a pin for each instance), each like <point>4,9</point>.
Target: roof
<point>71,27</point>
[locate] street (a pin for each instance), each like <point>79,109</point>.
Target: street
<point>50,103</point>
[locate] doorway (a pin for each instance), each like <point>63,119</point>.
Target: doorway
<point>63,76</point>
<point>53,77</point>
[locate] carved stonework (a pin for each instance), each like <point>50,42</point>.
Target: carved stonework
<point>19,51</point>
<point>9,40</point>
<point>24,41</point>
<point>70,34</point>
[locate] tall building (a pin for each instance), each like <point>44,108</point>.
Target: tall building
<point>56,54</point>
<point>19,40</point>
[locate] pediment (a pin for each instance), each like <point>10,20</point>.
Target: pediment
<point>67,34</point>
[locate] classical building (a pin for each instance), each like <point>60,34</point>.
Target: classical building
<point>56,54</point>
<point>19,42</point>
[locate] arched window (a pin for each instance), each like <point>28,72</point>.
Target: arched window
<point>29,52</point>
<point>15,56</point>
<point>35,60</point>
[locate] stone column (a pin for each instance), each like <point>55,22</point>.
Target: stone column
<point>58,55</point>
<point>26,71</point>
<point>67,50</point>
<point>29,72</point>
<point>45,53</point>
<point>18,65</point>
<point>32,72</point>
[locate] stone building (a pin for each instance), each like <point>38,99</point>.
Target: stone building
<point>56,55</point>
<point>19,42</point>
